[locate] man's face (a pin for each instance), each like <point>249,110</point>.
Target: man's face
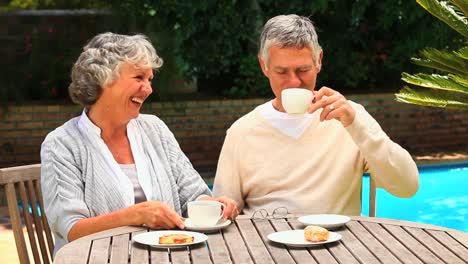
<point>290,68</point>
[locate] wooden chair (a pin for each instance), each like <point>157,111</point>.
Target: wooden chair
<point>372,198</point>
<point>27,209</point>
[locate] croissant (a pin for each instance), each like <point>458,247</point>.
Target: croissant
<point>316,234</point>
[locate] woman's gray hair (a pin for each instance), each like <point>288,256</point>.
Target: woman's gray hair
<point>99,63</point>
<point>289,31</point>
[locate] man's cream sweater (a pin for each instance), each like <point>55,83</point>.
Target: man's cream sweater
<point>320,172</point>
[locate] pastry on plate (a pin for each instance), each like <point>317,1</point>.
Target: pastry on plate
<point>316,234</point>
<point>171,239</point>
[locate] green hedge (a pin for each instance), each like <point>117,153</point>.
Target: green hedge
<point>367,44</point>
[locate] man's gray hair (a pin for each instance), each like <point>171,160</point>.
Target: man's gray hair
<point>99,63</point>
<point>289,31</point>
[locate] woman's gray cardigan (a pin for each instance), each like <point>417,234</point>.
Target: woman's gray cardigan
<point>77,181</point>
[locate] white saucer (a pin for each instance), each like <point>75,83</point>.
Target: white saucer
<point>152,238</point>
<point>324,220</point>
<point>190,226</point>
<point>295,238</point>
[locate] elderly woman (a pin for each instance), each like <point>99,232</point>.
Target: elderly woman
<point>113,166</point>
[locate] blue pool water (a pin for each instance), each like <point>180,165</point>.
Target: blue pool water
<point>442,198</point>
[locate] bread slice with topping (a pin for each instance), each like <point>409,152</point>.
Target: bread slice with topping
<point>171,239</point>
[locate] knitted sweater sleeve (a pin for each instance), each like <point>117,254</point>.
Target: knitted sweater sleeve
<point>189,182</point>
<point>62,186</point>
<point>228,173</point>
<point>389,164</point>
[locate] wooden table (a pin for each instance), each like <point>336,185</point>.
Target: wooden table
<point>364,240</point>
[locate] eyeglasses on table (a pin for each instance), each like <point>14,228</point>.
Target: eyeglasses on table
<point>263,214</point>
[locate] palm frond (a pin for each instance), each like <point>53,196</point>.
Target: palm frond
<point>463,80</point>
<point>442,60</point>
<point>448,13</point>
<point>426,97</point>
<point>435,81</point>
<point>434,65</point>
<point>447,91</point>
<point>462,5</point>
<point>462,53</point>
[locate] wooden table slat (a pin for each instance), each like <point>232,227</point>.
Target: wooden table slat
<point>443,253</point>
<point>460,236</point>
<point>340,252</point>
<point>113,232</point>
<point>400,251</point>
<point>398,222</point>
<point>236,245</point>
<point>78,254</point>
<point>218,249</point>
<point>451,244</point>
<point>360,252</point>
<point>99,250</point>
<point>254,242</point>
<point>119,249</point>
<point>364,240</point>
<point>138,253</point>
<point>320,253</point>
<point>200,254</point>
<point>159,255</point>
<point>413,245</point>
<point>299,255</point>
<point>180,255</point>
<point>276,250</point>
<point>374,246</point>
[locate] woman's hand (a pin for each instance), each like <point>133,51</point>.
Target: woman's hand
<point>230,208</point>
<point>335,106</point>
<point>153,214</point>
<point>156,215</point>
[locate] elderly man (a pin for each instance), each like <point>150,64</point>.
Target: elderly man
<point>312,163</point>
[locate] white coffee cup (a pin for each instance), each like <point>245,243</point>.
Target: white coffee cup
<point>296,100</point>
<point>205,213</point>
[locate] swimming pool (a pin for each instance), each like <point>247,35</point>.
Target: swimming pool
<point>442,198</point>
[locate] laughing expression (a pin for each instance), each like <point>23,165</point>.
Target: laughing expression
<point>125,96</point>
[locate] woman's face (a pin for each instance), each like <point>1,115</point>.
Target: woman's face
<point>123,98</point>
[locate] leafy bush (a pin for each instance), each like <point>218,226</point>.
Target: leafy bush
<point>366,44</point>
<point>40,50</point>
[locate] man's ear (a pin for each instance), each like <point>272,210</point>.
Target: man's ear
<point>319,64</point>
<point>263,65</point>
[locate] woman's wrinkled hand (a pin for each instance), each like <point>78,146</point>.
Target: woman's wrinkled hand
<point>156,215</point>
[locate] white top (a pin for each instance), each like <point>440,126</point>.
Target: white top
<point>131,172</point>
<point>290,125</point>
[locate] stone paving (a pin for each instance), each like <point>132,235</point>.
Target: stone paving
<point>7,240</point>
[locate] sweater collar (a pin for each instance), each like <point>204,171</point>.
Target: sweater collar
<point>88,125</point>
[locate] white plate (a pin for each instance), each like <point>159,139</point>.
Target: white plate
<point>324,220</point>
<point>295,238</point>
<point>190,226</point>
<point>152,238</point>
